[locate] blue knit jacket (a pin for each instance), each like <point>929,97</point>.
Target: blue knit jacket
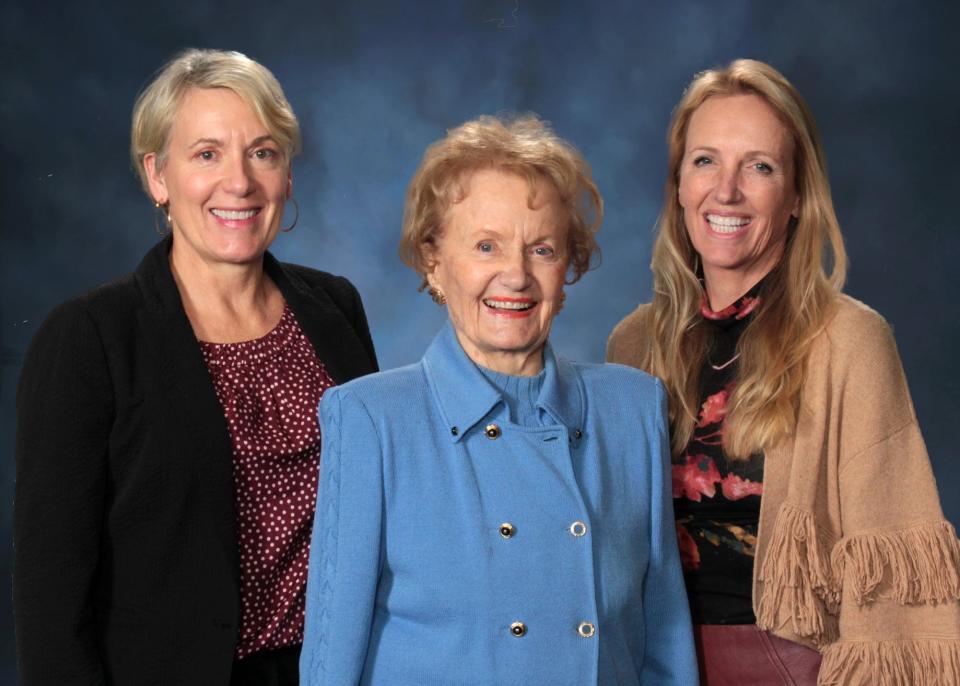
<point>453,547</point>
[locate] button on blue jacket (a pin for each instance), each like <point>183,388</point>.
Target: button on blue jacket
<point>415,577</point>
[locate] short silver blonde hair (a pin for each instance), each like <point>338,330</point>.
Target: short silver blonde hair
<point>157,105</point>
<point>521,144</point>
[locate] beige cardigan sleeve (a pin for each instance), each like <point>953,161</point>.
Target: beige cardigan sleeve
<point>896,564</point>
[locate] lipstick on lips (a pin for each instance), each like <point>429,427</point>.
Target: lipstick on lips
<point>726,224</point>
<point>237,218</point>
<point>511,308</point>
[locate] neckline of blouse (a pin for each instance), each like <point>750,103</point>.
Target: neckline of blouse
<point>256,350</point>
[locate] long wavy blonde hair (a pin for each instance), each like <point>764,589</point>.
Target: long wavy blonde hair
<point>798,294</point>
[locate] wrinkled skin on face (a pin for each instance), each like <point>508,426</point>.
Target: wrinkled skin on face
<point>501,261</point>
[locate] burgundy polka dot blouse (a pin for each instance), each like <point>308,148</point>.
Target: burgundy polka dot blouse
<point>270,389</point>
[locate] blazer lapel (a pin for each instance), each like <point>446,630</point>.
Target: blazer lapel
<point>332,335</point>
<point>190,401</point>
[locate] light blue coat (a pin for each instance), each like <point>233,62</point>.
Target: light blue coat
<point>412,580</point>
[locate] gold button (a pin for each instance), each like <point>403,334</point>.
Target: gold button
<point>586,629</point>
<point>492,431</point>
<point>578,528</point>
<point>518,629</point>
<point>578,434</point>
<point>507,529</point>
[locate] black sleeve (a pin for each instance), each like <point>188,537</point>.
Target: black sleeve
<point>64,416</point>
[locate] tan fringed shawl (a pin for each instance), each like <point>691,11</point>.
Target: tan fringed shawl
<point>854,556</point>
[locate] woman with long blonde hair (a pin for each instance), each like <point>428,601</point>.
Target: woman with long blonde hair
<point>807,514</point>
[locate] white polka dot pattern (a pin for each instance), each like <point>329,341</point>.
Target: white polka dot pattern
<point>270,389</point>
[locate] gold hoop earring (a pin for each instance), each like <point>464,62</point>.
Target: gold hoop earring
<point>162,208</point>
<point>437,295</point>
<point>563,299</point>
<point>296,217</point>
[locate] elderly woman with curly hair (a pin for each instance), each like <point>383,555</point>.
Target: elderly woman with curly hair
<point>807,513</point>
<point>167,436</point>
<point>487,516</point>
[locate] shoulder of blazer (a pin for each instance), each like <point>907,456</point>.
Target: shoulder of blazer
<point>142,308</point>
<point>331,315</point>
<point>343,293</point>
<point>115,301</point>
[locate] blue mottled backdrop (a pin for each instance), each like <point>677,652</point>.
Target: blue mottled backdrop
<point>374,82</point>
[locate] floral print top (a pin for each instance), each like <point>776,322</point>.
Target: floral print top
<point>717,502</point>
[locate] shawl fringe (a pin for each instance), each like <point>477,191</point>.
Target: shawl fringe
<point>801,584</point>
<point>920,564</point>
<point>798,586</point>
<point>929,662</point>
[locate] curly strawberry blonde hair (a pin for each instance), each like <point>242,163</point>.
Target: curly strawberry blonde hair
<point>521,144</point>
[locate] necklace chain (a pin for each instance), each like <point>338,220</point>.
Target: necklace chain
<point>718,367</point>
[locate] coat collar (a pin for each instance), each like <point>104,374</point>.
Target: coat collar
<point>465,396</point>
<point>334,338</point>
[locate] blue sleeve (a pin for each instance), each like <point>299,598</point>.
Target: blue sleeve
<point>669,654</point>
<point>344,566</point>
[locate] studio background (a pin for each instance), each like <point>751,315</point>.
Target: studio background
<point>373,83</point>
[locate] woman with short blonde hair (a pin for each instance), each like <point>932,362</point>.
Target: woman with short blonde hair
<point>804,499</point>
<point>167,436</point>
<point>156,108</point>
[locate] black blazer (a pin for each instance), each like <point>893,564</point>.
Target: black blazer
<point>126,569</point>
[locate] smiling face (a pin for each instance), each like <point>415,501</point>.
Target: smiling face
<point>225,179</point>
<point>501,264</point>
<point>737,190</point>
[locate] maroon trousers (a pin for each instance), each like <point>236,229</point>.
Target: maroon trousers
<point>743,655</point>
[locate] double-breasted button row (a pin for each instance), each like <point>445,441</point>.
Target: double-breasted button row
<point>577,529</point>
<point>493,432</point>
<point>585,629</point>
